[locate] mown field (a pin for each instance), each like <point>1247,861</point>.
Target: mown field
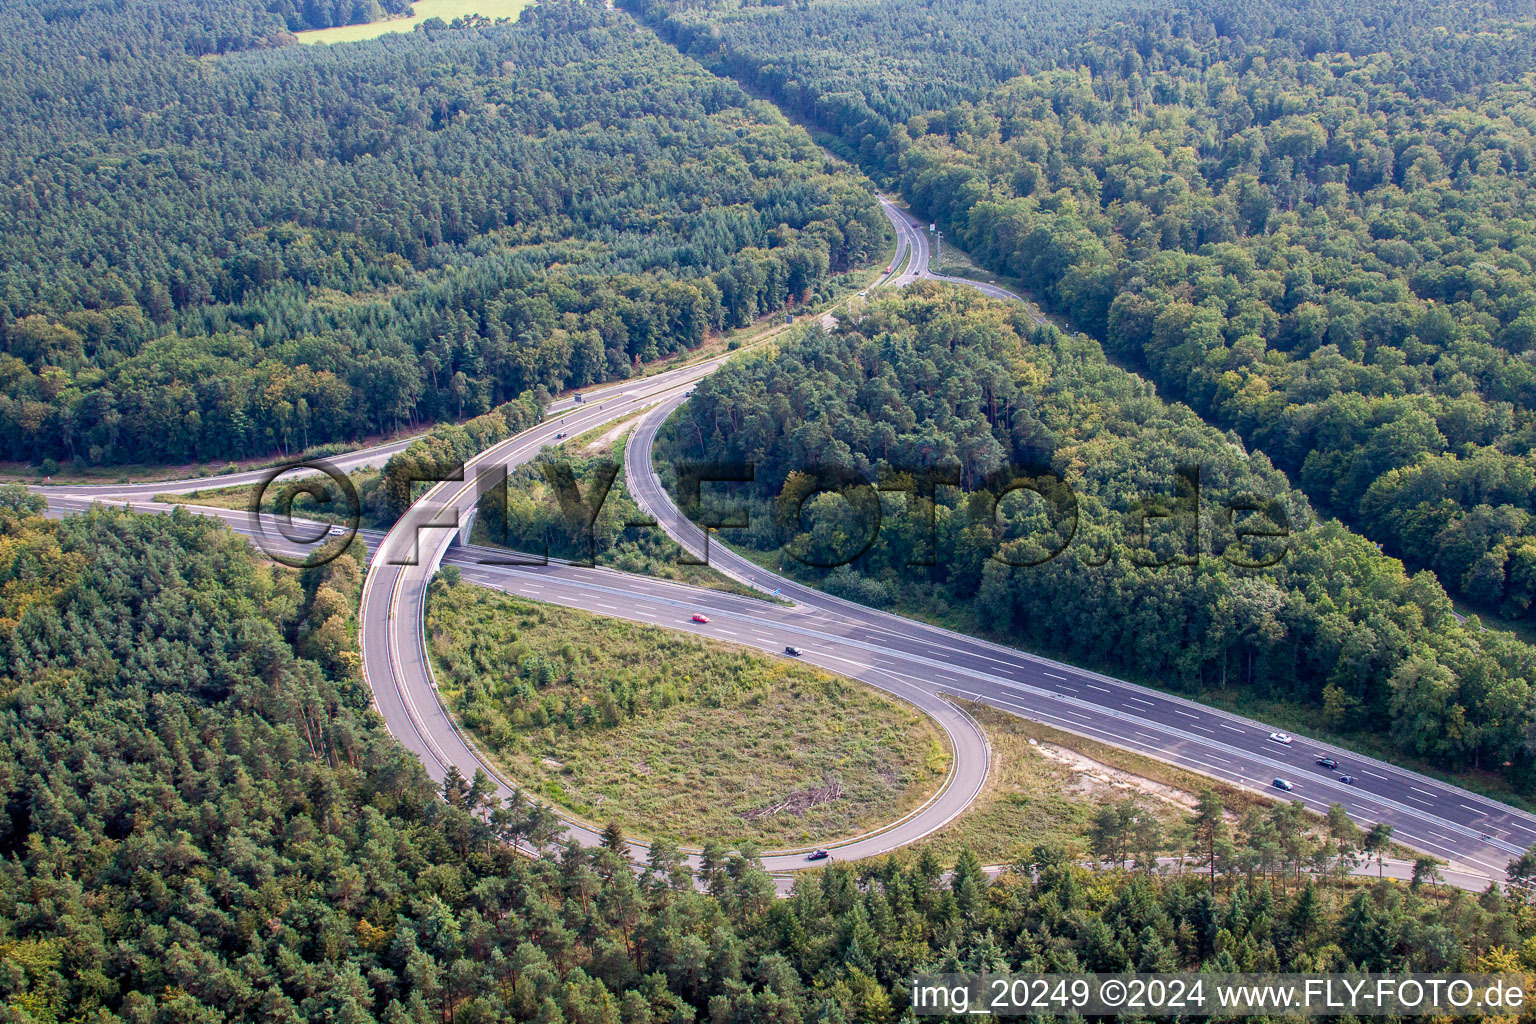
<point>424,9</point>
<point>673,736</point>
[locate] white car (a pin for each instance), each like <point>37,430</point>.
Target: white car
<point>1281,737</point>
<point>337,531</point>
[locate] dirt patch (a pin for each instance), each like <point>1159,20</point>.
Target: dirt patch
<point>1097,779</point>
<point>1046,785</point>
<point>606,441</point>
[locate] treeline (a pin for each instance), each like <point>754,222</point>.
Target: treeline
<point>1311,224</point>
<point>203,820</point>
<point>1337,274</point>
<point>1127,571</point>
<point>305,14</point>
<point>547,509</point>
<point>118,30</point>
<point>1282,844</point>
<point>856,70</point>
<point>441,455</point>
<point>859,73</point>
<point>283,248</point>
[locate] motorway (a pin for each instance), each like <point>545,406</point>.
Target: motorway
<point>364,458</point>
<point>1464,828</point>
<point>912,247</point>
<point>425,728</point>
<point>912,660</point>
<point>398,670</point>
<point>1451,823</point>
<point>1146,721</point>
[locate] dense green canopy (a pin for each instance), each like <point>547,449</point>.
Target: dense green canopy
<point>204,821</point>
<point>943,377</point>
<point>1314,223</point>
<point>275,249</point>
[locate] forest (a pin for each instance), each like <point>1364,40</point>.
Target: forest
<point>204,821</point>
<point>117,30</point>
<point>1119,569</point>
<point>1293,245</point>
<point>279,248</point>
<point>1313,225</point>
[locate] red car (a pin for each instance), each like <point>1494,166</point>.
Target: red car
<point>700,618</point>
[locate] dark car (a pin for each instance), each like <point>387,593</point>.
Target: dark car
<point>1348,780</point>
<point>1328,762</point>
<point>817,855</point>
<point>793,652</point>
<point>1284,784</point>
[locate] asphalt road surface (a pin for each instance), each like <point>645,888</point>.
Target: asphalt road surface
<point>1449,822</point>
<point>833,641</point>
<point>363,458</point>
<point>915,661</point>
<point>398,671</point>
<point>734,619</point>
<point>912,241</point>
<point>826,639</point>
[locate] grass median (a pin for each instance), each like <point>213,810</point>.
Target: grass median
<point>671,735</point>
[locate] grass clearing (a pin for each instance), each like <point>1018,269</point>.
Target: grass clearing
<point>1045,786</point>
<point>670,735</point>
<point>424,9</point>
<point>955,262</point>
<point>604,436</point>
<point>1288,716</point>
<point>220,497</point>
